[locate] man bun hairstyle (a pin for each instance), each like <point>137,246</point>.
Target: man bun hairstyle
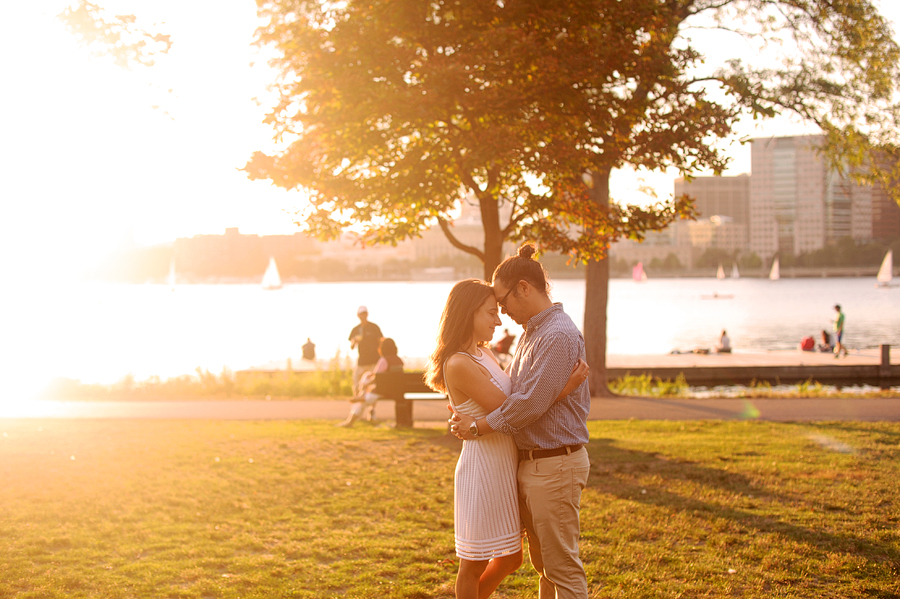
<point>523,267</point>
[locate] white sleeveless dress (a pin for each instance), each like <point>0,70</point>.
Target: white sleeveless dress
<point>485,497</point>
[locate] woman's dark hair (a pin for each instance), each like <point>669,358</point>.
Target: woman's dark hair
<point>523,267</point>
<point>388,350</point>
<point>456,328</point>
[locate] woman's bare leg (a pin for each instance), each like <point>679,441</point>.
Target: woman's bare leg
<point>468,577</point>
<point>498,569</point>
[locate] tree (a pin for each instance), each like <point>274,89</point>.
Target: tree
<point>396,110</point>
<point>115,36</point>
<point>392,111</point>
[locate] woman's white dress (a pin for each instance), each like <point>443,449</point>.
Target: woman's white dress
<point>486,506</point>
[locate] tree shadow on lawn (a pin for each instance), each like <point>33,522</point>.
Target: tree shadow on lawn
<point>615,471</point>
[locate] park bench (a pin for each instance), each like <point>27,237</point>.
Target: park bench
<point>404,388</point>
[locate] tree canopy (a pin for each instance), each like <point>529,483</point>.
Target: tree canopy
<point>395,111</point>
<point>392,111</point>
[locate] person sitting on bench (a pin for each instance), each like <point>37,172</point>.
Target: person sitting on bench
<point>365,397</point>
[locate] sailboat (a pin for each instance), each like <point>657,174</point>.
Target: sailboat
<point>271,280</point>
<point>886,272</point>
<point>734,271</point>
<point>720,274</point>
<point>638,274</point>
<point>775,273</point>
<point>170,278</point>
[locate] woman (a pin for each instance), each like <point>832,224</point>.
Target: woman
<point>365,394</point>
<point>487,530</point>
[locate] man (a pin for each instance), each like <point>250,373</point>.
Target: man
<point>839,332</point>
<point>550,435</point>
<point>365,336</point>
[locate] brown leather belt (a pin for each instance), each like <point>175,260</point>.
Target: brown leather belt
<point>536,454</point>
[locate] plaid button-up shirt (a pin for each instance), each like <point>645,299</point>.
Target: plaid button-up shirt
<point>539,371</point>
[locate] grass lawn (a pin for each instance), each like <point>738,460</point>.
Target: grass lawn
<point>228,509</point>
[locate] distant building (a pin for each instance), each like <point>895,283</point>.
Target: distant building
<point>723,212</point>
<point>798,204</point>
<point>722,196</point>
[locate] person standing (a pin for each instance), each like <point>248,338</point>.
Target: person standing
<point>839,332</point>
<point>550,435</point>
<point>364,337</point>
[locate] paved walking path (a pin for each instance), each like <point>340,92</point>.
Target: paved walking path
<point>430,413</point>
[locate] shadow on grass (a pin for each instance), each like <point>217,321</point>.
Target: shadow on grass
<point>615,472</point>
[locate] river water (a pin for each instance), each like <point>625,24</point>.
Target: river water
<point>101,332</point>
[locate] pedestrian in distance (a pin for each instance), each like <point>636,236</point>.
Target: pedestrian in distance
<point>838,326</point>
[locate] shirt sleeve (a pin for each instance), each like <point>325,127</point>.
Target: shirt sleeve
<point>538,387</point>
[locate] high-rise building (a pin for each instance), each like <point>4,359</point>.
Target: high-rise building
<point>797,203</point>
<point>718,196</point>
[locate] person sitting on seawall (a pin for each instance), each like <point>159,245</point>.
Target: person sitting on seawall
<point>724,344</point>
<point>366,397</point>
<point>826,345</point>
<point>309,350</point>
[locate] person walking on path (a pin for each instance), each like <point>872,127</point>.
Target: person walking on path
<point>839,332</point>
<point>550,435</point>
<point>365,337</point>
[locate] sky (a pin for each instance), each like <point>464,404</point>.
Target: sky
<point>94,158</point>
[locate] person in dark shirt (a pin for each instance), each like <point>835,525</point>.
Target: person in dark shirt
<point>309,350</point>
<point>365,338</point>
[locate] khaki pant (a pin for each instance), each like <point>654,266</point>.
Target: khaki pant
<point>549,503</point>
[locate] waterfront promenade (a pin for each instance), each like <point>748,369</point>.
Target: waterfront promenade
<point>860,367</point>
<point>434,413</point>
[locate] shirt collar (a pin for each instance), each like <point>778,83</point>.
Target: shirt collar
<point>541,317</point>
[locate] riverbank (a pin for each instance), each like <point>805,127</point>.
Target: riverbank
<point>740,375</point>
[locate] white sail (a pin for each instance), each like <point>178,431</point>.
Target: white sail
<point>775,273</point>
<point>170,279</point>
<point>720,274</point>
<point>886,272</point>
<point>734,271</point>
<point>271,280</point>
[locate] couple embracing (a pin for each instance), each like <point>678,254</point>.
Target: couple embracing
<point>523,462</point>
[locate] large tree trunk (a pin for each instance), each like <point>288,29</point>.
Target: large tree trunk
<point>493,236</point>
<point>596,297</point>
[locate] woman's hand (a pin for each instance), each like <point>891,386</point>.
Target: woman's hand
<point>459,425</point>
<point>579,374</point>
